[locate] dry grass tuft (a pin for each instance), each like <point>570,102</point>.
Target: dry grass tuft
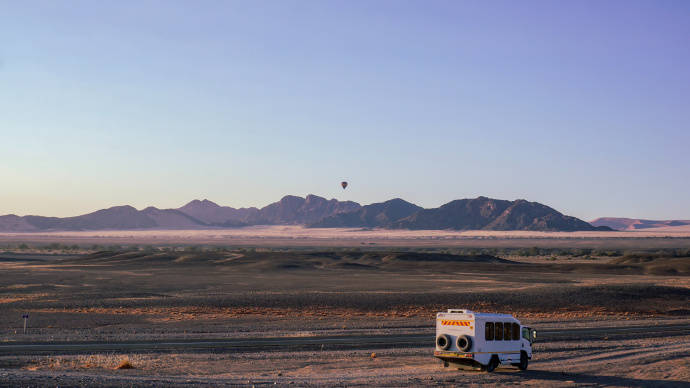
<point>125,364</point>
<point>92,361</point>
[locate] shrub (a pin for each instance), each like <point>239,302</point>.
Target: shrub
<point>125,364</point>
<point>582,252</point>
<point>192,249</point>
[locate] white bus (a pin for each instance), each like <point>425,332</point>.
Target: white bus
<point>465,338</point>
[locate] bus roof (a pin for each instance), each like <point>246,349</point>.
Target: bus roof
<point>478,315</point>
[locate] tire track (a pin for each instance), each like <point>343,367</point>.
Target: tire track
<point>640,352</point>
<point>323,342</point>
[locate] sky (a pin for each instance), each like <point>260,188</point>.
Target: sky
<point>582,105</point>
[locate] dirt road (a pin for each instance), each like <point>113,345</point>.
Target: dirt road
<point>341,342</point>
<point>632,355</point>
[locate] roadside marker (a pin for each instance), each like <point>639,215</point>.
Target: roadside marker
<point>25,316</point>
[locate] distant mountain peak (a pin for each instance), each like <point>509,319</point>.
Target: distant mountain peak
<point>203,203</point>
<point>315,211</point>
<point>396,200</point>
<point>315,198</point>
<point>291,198</point>
<point>121,207</point>
<point>292,209</point>
<point>116,209</point>
<point>381,214</point>
<point>492,214</point>
<point>621,223</point>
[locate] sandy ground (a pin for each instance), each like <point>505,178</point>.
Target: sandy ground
<point>237,294</point>
<point>629,363</point>
<point>139,296</point>
<point>300,236</point>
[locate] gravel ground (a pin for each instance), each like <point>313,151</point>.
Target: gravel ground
<point>638,362</point>
<point>129,297</point>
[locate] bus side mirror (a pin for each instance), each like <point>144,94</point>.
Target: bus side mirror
<point>534,335</point>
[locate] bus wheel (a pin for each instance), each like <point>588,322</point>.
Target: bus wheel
<point>493,364</point>
<point>524,361</point>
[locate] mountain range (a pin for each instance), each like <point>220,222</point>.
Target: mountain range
<point>316,212</point>
<point>637,223</point>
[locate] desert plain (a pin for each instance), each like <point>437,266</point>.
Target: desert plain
<point>289,306</point>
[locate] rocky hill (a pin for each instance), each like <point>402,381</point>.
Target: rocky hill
<point>375,215</point>
<point>194,215</point>
<point>493,214</point>
<point>636,223</point>
<point>210,213</point>
<point>297,210</point>
<point>314,211</point>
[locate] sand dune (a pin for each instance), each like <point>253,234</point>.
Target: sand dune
<point>300,232</point>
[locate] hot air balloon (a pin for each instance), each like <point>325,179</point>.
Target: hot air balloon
<point>344,184</point>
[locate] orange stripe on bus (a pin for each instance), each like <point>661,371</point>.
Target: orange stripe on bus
<point>455,323</point>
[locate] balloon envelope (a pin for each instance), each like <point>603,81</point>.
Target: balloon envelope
<point>344,184</point>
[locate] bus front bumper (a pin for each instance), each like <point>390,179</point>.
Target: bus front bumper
<point>447,354</point>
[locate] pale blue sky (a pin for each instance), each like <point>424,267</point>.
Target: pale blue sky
<point>582,105</point>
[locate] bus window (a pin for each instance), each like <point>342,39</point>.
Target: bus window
<point>489,331</point>
<point>507,335</point>
<point>525,333</point>
<point>498,331</point>
<point>516,332</point>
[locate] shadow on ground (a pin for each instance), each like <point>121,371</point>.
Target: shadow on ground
<point>599,380</point>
